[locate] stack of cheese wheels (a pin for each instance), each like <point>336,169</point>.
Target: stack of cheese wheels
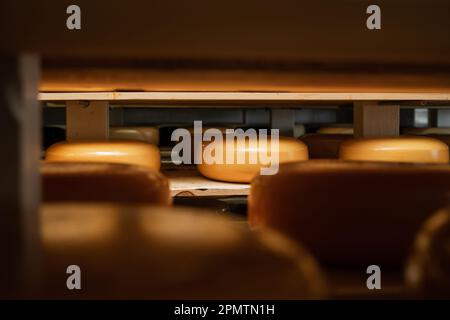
<point>402,149</point>
<point>144,134</point>
<point>162,253</point>
<point>252,155</point>
<point>350,212</point>
<point>120,183</point>
<point>129,152</point>
<point>324,146</point>
<point>441,133</point>
<point>428,270</point>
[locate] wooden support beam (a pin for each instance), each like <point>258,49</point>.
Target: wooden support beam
<point>373,120</point>
<point>87,120</point>
<point>20,129</point>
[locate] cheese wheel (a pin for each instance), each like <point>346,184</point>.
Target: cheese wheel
<point>289,150</point>
<point>144,134</point>
<point>428,270</point>
<point>324,146</point>
<point>129,152</point>
<point>157,253</point>
<point>402,149</point>
<point>442,134</point>
<point>67,181</point>
<point>427,131</point>
<point>337,129</point>
<point>350,213</point>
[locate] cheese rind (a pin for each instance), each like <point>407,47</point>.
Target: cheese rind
<point>428,269</point>
<point>289,150</point>
<point>100,182</point>
<point>167,253</point>
<point>144,134</point>
<point>349,213</point>
<point>402,149</point>
<point>324,146</point>
<point>338,129</point>
<point>126,152</point>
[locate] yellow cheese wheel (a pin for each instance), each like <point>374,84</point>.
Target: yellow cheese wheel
<point>427,131</point>
<point>350,213</point>
<point>157,253</point>
<point>129,152</point>
<point>289,150</point>
<point>402,149</point>
<point>72,181</point>
<point>428,269</point>
<point>324,146</point>
<point>337,129</point>
<point>145,134</point>
<point>442,134</point>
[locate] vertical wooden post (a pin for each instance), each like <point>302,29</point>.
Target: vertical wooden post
<point>373,120</point>
<point>284,120</point>
<point>87,120</point>
<point>20,142</point>
<point>433,117</point>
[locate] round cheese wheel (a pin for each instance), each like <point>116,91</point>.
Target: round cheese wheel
<point>350,213</point>
<point>324,146</point>
<point>337,129</point>
<point>145,134</point>
<point>72,181</point>
<point>402,149</point>
<point>427,131</point>
<point>289,150</point>
<point>129,152</point>
<point>428,270</point>
<point>442,134</point>
<point>157,253</point>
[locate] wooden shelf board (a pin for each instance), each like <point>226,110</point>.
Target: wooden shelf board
<point>246,97</point>
<point>187,181</point>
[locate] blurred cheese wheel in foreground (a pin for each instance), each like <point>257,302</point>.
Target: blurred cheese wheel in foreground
<point>403,149</point>
<point>129,152</point>
<point>350,213</point>
<point>341,129</point>
<point>324,146</point>
<point>428,270</point>
<point>66,181</point>
<point>145,134</point>
<point>289,150</point>
<point>157,253</point>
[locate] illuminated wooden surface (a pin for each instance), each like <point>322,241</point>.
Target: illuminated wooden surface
<point>175,97</point>
<point>187,181</point>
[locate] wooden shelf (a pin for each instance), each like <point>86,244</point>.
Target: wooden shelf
<point>244,97</point>
<point>187,181</point>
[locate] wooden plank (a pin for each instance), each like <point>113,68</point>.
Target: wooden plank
<point>413,31</point>
<point>187,181</point>
<point>176,97</point>
<point>373,120</point>
<point>88,120</point>
<point>20,128</point>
